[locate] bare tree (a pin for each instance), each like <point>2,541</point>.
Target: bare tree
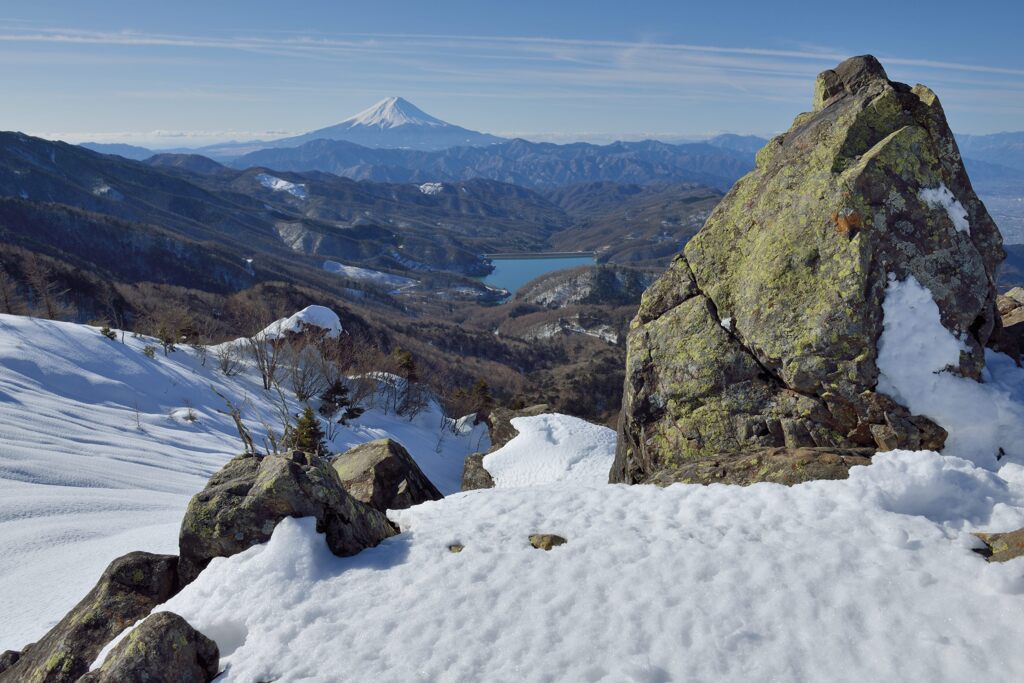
<point>48,297</point>
<point>266,351</point>
<point>11,300</point>
<point>229,358</point>
<point>236,415</point>
<point>305,370</point>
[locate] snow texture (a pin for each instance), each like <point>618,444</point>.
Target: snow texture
<point>280,185</point>
<point>941,198</point>
<point>374,276</point>
<point>984,420</point>
<point>553,448</point>
<point>872,578</point>
<point>99,456</point>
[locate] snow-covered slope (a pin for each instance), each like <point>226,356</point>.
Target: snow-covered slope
<point>101,448</point>
<point>866,579</point>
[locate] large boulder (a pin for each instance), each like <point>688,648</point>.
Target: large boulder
<point>383,475</point>
<point>130,587</point>
<point>244,501</point>
<point>162,649</point>
<point>764,332</point>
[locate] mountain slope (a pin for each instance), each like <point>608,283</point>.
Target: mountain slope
<point>529,164</point>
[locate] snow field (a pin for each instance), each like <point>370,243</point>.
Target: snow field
<point>98,456</point>
<point>553,448</point>
<point>871,578</point>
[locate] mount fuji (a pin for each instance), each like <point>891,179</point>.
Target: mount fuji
<point>394,123</point>
<point>397,123</point>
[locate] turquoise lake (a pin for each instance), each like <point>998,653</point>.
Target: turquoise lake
<point>513,273</point>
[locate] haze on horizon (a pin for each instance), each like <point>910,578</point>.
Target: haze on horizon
<point>199,73</point>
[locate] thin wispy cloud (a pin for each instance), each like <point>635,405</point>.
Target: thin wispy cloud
<point>482,66</point>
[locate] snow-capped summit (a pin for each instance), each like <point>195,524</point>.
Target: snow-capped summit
<point>398,123</point>
<point>392,112</point>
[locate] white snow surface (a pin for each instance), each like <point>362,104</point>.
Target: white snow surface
<point>553,448</point>
<point>941,198</point>
<point>872,578</point>
<point>310,316</point>
<point>375,276</point>
<point>392,112</point>
<point>913,353</point>
<point>281,185</point>
<point>432,188</point>
<point>98,456</point>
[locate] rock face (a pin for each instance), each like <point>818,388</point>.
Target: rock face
<point>777,465</point>
<point>501,431</point>
<point>764,332</point>
<point>474,476</point>
<point>129,588</point>
<point>383,475</point>
<point>244,501</point>
<point>162,649</point>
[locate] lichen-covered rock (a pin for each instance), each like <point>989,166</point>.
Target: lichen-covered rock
<point>777,465</point>
<point>1003,546</point>
<point>244,501</point>
<point>383,475</point>
<point>474,476</point>
<point>129,588</point>
<point>162,649</point>
<point>764,332</point>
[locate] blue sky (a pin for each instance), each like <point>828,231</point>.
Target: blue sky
<point>188,73</point>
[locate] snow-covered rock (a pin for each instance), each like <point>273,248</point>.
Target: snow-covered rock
<point>318,317</point>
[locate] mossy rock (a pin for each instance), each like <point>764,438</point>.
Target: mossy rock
<point>243,502</point>
<point>764,332</point>
<point>383,475</point>
<point>128,589</point>
<point>162,649</point>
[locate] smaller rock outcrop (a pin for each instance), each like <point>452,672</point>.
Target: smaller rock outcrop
<point>383,475</point>
<point>162,649</point>
<point>1009,338</point>
<point>546,541</point>
<point>129,588</point>
<point>474,476</point>
<point>787,466</point>
<point>244,501</point>
<point>1002,547</point>
<point>501,431</point>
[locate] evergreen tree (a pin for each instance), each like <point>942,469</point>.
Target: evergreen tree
<point>480,395</point>
<point>307,435</point>
<point>335,400</point>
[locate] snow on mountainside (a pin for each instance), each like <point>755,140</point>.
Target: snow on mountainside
<point>391,113</point>
<point>393,122</point>
<point>101,449</point>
